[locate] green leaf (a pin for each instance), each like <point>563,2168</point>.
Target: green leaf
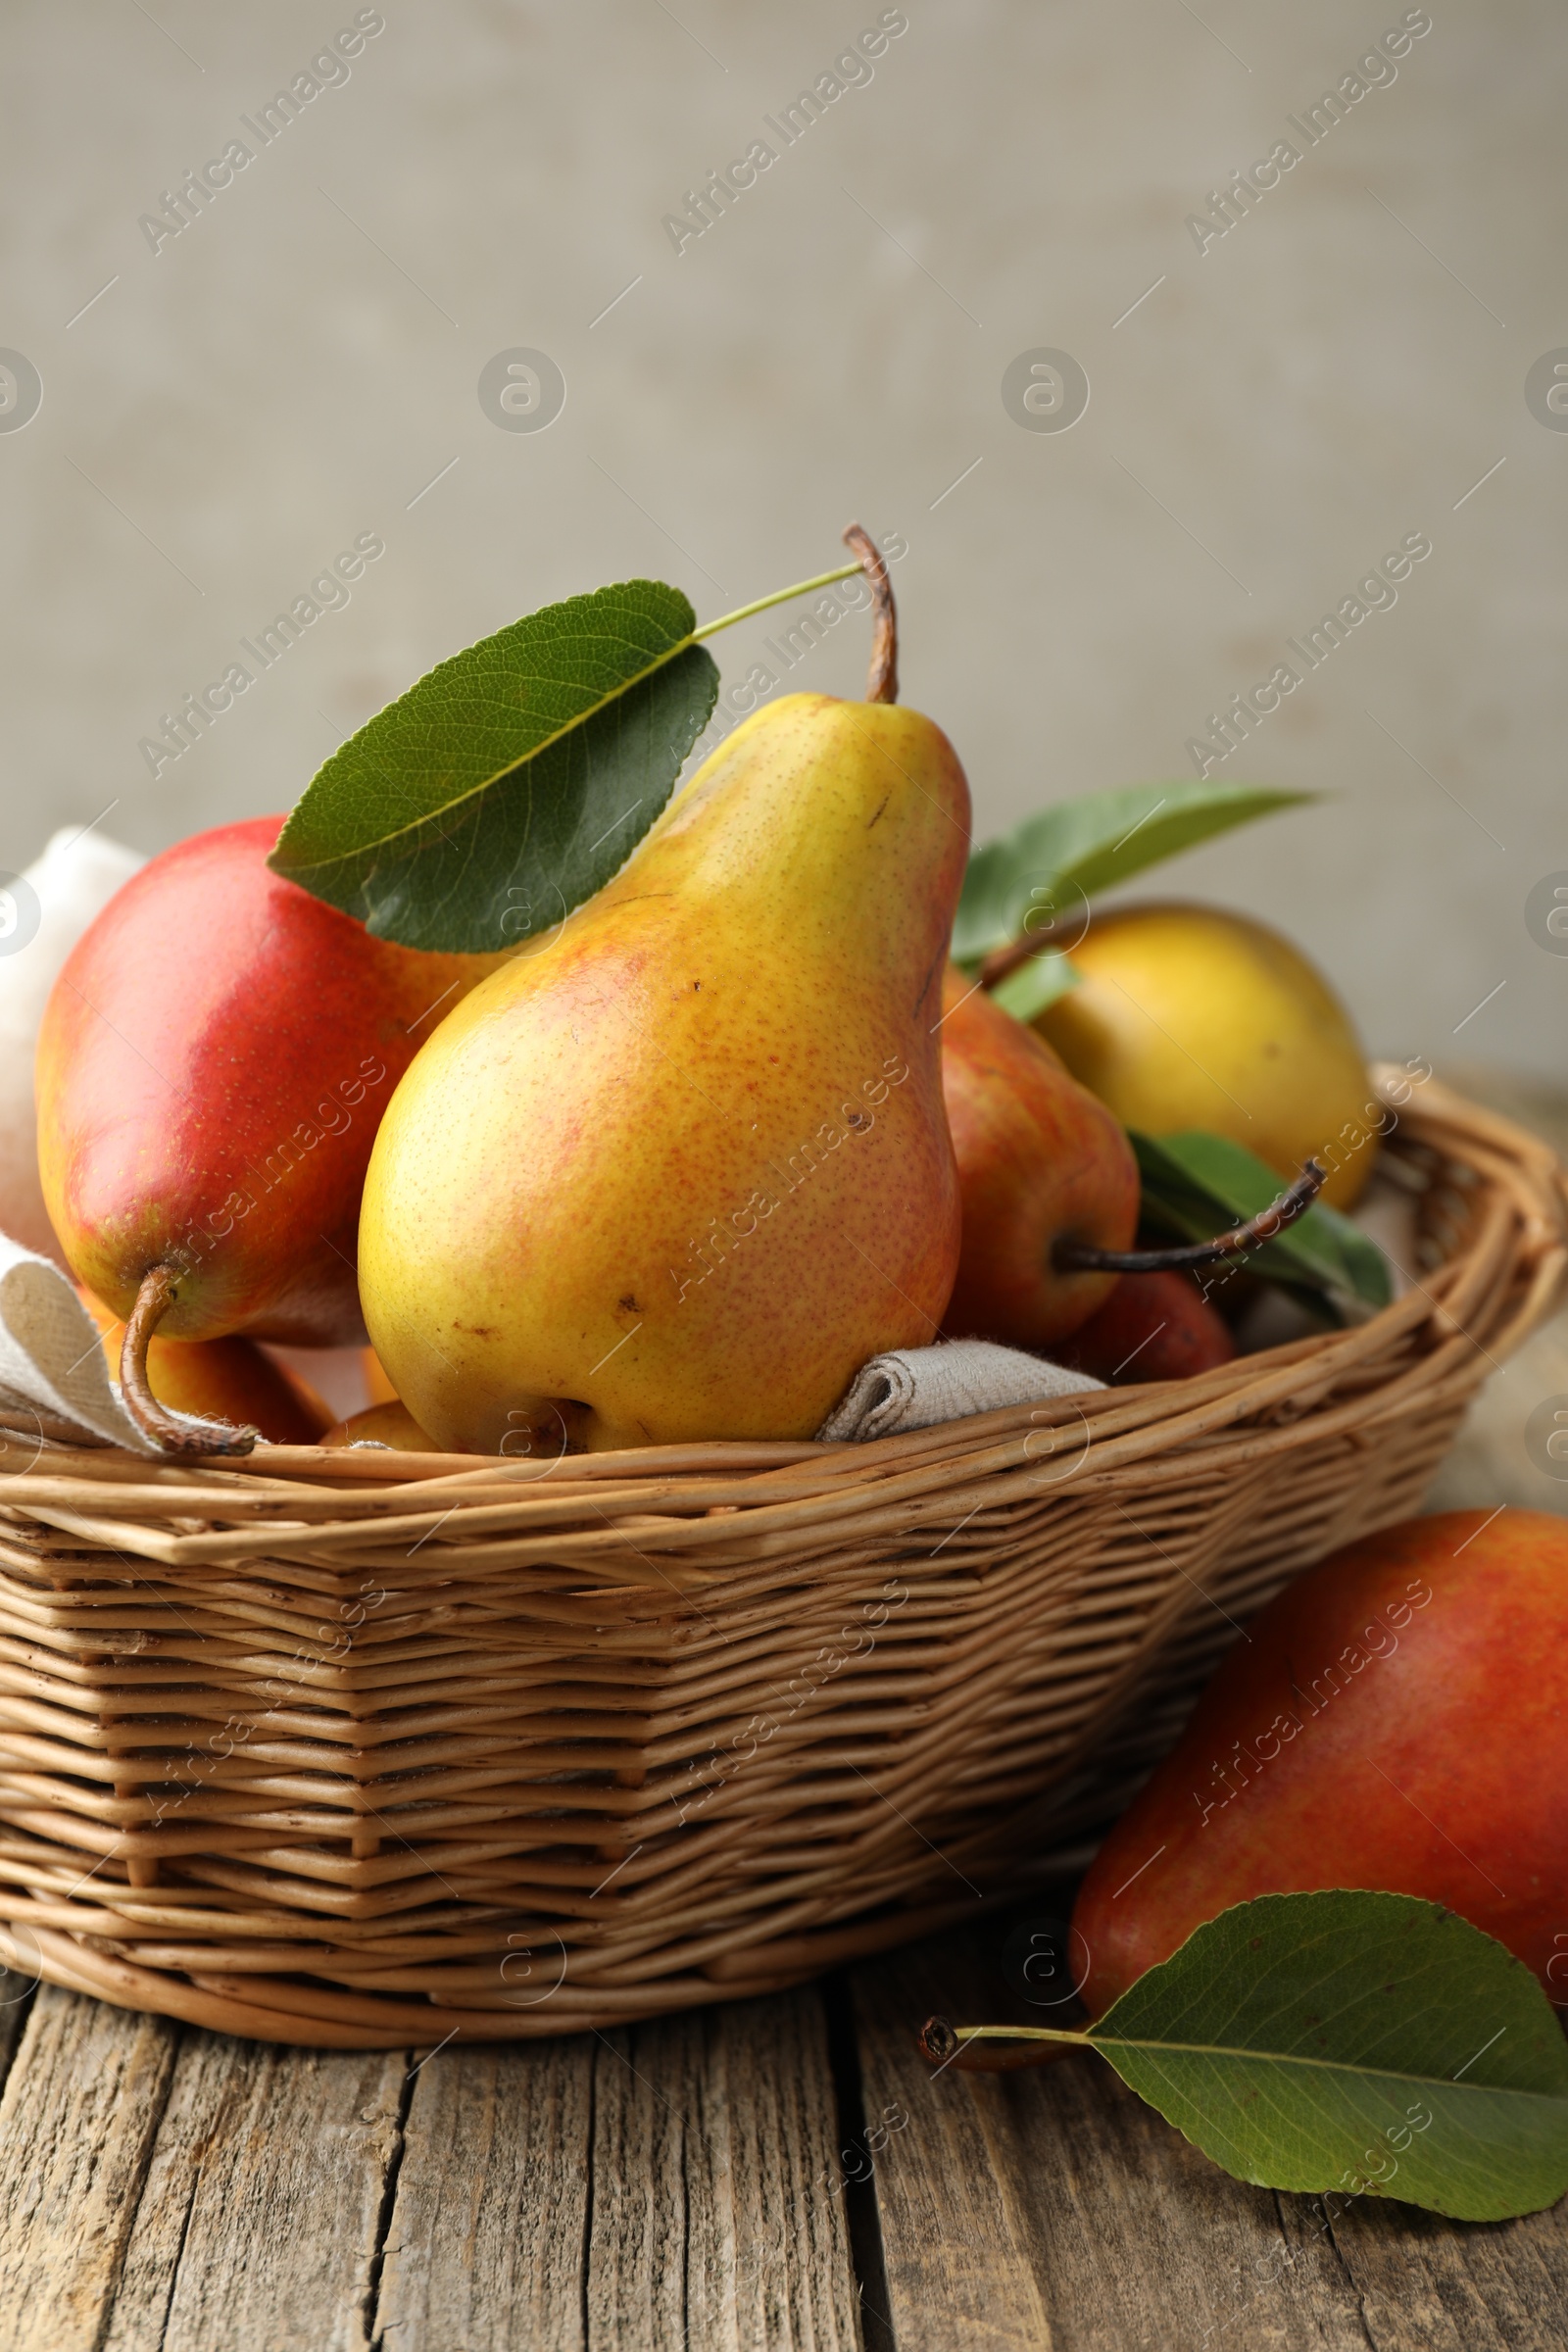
<point>1354,2042</point>
<point>1036,984</point>
<point>512,781</point>
<point>1195,1184</point>
<point>1036,878</point>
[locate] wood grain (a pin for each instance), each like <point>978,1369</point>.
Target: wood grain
<point>1451,2286</point>
<point>726,2119</point>
<point>488,2231</point>
<point>78,2117</point>
<point>668,2186</point>
<point>260,2221</point>
<point>952,2183</point>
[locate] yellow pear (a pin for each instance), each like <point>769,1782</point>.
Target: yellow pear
<point>678,1172</point>
<point>1190,1016</point>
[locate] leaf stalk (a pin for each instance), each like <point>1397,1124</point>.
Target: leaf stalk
<point>959,2046</point>
<point>780,596</point>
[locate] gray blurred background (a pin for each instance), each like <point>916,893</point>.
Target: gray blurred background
<point>1267,416</point>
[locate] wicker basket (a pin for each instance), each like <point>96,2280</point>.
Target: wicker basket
<point>365,1750</point>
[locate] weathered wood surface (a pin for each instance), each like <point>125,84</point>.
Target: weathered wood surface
<point>664,2186</point>
<point>674,2188</point>
<point>673,2185</point>
<point>82,2104</point>
<point>262,2217</point>
<point>167,2190</point>
<point>1054,2209</point>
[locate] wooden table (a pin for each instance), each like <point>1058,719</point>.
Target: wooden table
<point>680,2183</point>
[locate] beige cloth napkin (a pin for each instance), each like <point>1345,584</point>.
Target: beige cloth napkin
<point>912,1387</point>
<point>54,1381</point>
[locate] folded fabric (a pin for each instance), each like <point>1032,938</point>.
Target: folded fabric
<point>54,1381</point>
<point>912,1387</point>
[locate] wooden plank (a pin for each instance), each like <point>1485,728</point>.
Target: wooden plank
<point>1448,2286</point>
<point>260,2222</point>
<point>1139,2239</point>
<point>951,2183</point>
<point>488,2233</point>
<point>78,2121</point>
<point>668,2185</point>
<point>727,2118</point>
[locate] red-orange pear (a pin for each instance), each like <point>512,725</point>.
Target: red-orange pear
<point>1397,1718</point>
<point>1039,1161</point>
<point>1155,1326</point>
<point>212,1066</point>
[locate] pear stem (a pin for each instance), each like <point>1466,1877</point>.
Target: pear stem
<point>1080,1258</point>
<point>780,596</point>
<point>175,1434</point>
<point>882,685</point>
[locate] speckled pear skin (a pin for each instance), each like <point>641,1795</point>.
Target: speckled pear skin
<point>677,1171</point>
<point>1397,1718</point>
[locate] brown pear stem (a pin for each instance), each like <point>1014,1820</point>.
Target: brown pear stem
<point>1081,1257</point>
<point>175,1434</point>
<point>882,685</point>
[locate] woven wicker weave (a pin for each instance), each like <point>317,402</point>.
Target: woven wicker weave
<point>362,1750</point>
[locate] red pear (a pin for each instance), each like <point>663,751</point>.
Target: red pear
<point>214,1063</point>
<point>1397,1718</point>
<point>1039,1161</point>
<point>1152,1327</point>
